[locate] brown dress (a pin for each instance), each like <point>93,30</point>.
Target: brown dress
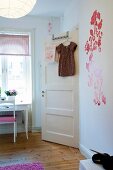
<point>66,59</point>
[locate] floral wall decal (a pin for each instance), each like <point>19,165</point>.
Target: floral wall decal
<point>93,44</point>
<point>50,27</point>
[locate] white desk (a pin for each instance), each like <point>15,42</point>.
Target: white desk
<point>21,106</point>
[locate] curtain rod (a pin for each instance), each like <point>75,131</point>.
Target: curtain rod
<point>61,37</point>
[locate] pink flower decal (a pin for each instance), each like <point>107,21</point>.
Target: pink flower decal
<point>93,18</point>
<point>91,57</point>
<point>104,99</point>
<point>87,66</point>
<point>49,27</point>
<point>91,32</point>
<point>94,43</point>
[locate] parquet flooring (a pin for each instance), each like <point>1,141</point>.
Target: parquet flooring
<point>52,156</point>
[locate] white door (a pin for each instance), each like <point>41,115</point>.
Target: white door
<point>60,104</point>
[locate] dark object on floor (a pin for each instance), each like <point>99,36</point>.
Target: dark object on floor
<point>104,159</point>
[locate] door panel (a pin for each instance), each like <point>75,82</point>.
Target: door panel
<point>60,125</point>
<point>62,99</point>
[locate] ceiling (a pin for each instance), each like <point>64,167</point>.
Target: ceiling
<point>53,8</point>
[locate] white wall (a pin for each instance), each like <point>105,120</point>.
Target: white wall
<point>39,26</point>
<point>70,20</point>
<point>96,120</point>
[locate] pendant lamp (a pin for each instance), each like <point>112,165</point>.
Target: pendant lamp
<point>16,8</point>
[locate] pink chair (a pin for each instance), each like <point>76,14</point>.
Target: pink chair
<point>7,106</point>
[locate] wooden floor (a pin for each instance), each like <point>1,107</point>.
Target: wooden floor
<point>52,156</point>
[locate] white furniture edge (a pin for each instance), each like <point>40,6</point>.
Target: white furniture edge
<point>86,152</point>
<point>88,164</point>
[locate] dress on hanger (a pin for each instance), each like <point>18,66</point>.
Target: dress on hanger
<point>66,59</point>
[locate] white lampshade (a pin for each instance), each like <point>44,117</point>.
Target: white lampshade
<point>16,8</point>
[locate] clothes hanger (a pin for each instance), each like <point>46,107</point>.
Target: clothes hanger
<point>67,41</point>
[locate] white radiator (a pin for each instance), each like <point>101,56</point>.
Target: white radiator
<point>89,165</point>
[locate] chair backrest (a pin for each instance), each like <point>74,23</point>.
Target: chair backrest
<point>7,105</point>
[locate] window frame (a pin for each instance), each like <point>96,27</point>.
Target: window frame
<point>31,45</point>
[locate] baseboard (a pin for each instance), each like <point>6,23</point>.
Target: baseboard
<point>85,151</point>
<point>7,129</point>
<point>36,129</point>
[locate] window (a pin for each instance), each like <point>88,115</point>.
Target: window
<point>15,64</point>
